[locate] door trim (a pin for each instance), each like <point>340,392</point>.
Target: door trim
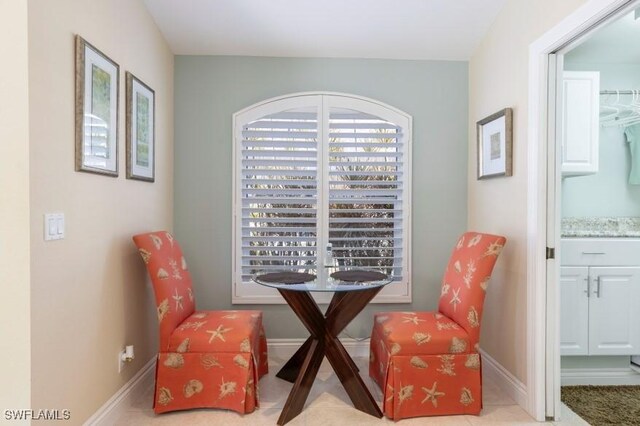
<point>540,141</point>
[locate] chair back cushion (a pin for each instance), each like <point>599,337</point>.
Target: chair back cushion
<point>466,278</point>
<point>171,280</point>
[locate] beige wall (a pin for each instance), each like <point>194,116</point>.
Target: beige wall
<point>14,208</point>
<point>498,78</point>
<point>89,293</point>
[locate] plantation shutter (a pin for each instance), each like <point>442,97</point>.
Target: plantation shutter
<point>366,191</point>
<point>279,192</point>
<point>313,170</point>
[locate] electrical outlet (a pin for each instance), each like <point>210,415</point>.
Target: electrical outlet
<point>124,356</point>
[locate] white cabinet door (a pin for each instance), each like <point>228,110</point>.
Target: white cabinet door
<point>580,122</point>
<point>574,310</point>
<point>614,317</point>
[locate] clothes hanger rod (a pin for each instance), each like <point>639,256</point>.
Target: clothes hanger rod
<point>616,92</point>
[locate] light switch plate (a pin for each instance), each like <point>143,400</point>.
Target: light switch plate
<point>53,226</point>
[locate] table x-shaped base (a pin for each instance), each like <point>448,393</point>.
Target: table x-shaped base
<point>302,367</point>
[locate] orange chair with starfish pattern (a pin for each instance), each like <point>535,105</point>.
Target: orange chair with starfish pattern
<point>427,363</point>
<point>207,359</point>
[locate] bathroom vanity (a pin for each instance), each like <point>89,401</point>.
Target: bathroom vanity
<point>600,286</point>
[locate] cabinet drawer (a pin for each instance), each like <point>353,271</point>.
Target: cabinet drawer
<point>599,252</point>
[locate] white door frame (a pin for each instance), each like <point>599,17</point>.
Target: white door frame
<point>542,307</point>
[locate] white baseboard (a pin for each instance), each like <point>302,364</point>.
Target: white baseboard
<point>600,377</point>
<point>122,400</point>
<point>507,382</point>
<point>285,348</point>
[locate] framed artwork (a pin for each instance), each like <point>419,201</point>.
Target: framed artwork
<point>140,129</point>
<point>97,88</point>
<point>495,134</point>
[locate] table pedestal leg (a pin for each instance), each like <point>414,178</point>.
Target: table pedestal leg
<point>324,341</point>
<point>302,386</point>
<point>290,370</point>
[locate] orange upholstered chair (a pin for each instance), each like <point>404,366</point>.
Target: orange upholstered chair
<point>427,363</point>
<point>206,358</point>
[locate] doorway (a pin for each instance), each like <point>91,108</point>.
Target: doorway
<point>570,76</point>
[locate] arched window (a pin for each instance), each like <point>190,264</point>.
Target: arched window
<point>313,171</point>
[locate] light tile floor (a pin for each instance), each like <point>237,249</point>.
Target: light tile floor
<point>328,405</point>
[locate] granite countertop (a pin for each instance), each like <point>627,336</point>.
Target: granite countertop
<point>601,227</point>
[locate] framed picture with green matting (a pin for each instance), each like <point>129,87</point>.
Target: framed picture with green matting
<point>96,116</point>
<point>140,129</point>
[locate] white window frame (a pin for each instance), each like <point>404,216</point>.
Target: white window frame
<point>252,293</point>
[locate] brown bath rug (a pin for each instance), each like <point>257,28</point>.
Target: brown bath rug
<point>604,405</point>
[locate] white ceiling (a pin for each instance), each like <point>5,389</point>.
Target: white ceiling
<point>618,42</point>
<point>393,29</point>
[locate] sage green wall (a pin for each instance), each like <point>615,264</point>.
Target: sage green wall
<point>208,90</point>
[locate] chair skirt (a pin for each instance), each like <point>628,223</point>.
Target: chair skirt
<point>226,380</point>
<point>416,385</point>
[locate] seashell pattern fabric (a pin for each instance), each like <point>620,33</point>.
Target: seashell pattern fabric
<point>207,359</point>
<point>477,255</point>
<point>427,363</point>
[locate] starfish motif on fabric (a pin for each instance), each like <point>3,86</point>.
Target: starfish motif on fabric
<point>414,319</point>
<point>455,299</point>
<point>432,394</point>
<point>494,249</point>
<point>195,325</point>
<point>390,398</point>
<point>218,333</point>
<point>178,300</point>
